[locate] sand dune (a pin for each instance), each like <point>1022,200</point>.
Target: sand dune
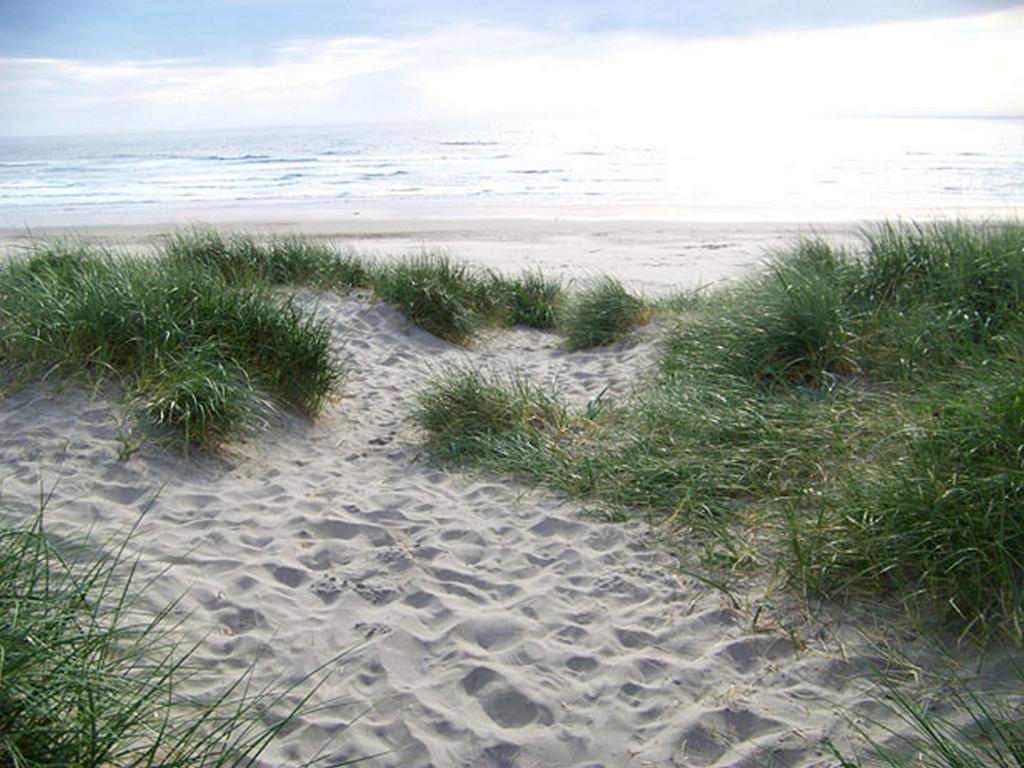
<point>490,623</point>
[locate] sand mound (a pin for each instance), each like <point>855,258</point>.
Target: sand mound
<point>492,624</point>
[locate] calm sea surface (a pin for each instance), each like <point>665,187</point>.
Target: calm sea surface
<point>813,166</point>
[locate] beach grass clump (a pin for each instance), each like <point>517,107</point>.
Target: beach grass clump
<point>467,415</point>
<point>918,299</point>
<point>208,248</point>
<point>197,395</point>
<point>602,313</point>
<point>683,450</point>
<point>281,260</point>
<point>978,268</point>
<point>690,446</point>
<point>939,518</point>
<point>940,294</point>
<point>442,295</point>
<point>439,294</point>
<point>197,350</point>
<point>89,678</point>
<point>799,328</point>
<point>282,347</point>
<point>529,299</point>
<point>789,324</point>
<point>296,260</point>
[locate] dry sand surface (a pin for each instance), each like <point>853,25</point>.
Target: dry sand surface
<point>491,624</point>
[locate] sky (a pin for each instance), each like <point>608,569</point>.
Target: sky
<point>70,66</point>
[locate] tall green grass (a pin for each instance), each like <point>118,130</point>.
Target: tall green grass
<point>529,299</point>
<point>467,413</point>
<point>919,297</point>
<point>938,518</point>
<point>601,313</point>
<point>454,300</point>
<point>197,335</point>
<point>197,392</point>
<point>444,297</point>
<point>939,295</point>
<point>281,260</point>
<point>859,410</point>
<point>89,678</point>
<point>195,351</point>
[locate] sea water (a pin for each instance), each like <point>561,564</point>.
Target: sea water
<point>814,166</point>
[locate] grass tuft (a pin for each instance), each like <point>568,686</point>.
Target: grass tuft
<point>455,301</point>
<point>800,329</point>
<point>602,313</point>
<point>466,413</point>
<point>197,394</point>
<point>442,296</point>
<point>529,299</point>
<point>786,325</point>
<point>198,350</point>
<point>287,260</point>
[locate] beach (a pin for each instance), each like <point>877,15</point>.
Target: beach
<point>483,620</point>
<point>558,384</point>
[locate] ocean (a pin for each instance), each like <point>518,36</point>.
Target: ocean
<point>815,167</point>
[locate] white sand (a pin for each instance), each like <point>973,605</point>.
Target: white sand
<point>493,624</point>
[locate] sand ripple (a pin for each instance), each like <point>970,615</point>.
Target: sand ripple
<point>492,625</point>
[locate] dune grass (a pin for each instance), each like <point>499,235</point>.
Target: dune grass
<point>920,297</point>
<point>454,300</point>
<point>89,678</point>
<point>853,415</point>
<point>190,349</point>
<point>529,299</point>
<point>938,517</point>
<point>287,260</point>
<point>443,295</point>
<point>439,294</point>
<point>976,730</point>
<point>200,340</point>
<point>601,313</point>
<point>467,411</point>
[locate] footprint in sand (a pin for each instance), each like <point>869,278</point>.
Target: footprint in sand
<point>503,703</point>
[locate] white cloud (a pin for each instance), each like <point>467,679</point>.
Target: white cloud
<point>955,66</point>
<point>961,66</point>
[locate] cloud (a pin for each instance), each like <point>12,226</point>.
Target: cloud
<point>952,66</point>
<point>942,67</point>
